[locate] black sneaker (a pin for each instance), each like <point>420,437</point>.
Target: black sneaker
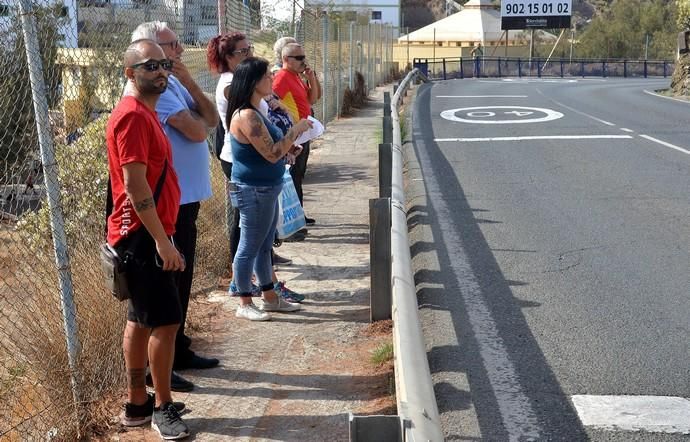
<point>168,423</point>
<point>310,221</point>
<point>177,383</point>
<point>280,260</point>
<point>135,415</point>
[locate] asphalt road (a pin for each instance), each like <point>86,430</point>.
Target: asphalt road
<point>561,253</point>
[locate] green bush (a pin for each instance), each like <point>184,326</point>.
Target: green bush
<point>82,178</point>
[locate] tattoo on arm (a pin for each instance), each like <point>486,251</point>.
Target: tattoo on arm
<point>136,378</point>
<point>258,130</point>
<point>145,204</point>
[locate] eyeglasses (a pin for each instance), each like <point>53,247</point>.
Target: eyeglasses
<point>154,65</point>
<point>297,57</point>
<point>173,44</point>
<point>244,51</point>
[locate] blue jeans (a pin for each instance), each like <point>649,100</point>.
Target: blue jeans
<point>258,206</point>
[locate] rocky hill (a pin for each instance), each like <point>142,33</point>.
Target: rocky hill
<point>419,13</point>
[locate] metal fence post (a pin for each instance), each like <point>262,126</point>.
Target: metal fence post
<point>499,67</point>
<point>352,49</point>
<point>645,69</point>
<point>665,66</point>
<point>519,67</point>
<point>50,168</point>
<point>339,76</point>
<point>324,95</point>
<point>462,72</point>
<point>380,258</point>
<point>625,68</point>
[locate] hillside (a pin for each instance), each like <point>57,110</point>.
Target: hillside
<point>419,13</point>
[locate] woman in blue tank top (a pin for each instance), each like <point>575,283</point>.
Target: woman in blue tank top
<point>258,150</point>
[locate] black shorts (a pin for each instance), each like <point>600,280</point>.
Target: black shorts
<point>155,300</point>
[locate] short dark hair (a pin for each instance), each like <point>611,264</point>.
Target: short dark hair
<point>247,75</point>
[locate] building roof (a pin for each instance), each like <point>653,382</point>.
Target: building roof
<point>479,21</point>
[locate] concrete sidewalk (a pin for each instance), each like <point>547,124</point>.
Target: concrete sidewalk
<point>297,377</point>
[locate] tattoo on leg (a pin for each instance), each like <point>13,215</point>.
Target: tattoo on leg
<point>136,378</point>
<point>144,204</point>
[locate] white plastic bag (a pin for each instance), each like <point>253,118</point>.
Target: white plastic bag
<point>291,215</point>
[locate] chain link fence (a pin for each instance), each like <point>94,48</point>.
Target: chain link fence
<point>61,365</point>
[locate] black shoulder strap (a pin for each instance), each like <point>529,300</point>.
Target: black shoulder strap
<point>156,194</point>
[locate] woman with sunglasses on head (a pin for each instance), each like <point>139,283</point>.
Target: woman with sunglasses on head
<point>258,149</point>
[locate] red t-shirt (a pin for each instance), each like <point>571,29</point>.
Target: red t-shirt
<point>134,135</point>
<point>293,93</point>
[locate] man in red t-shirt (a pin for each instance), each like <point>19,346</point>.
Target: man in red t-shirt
<point>146,200</point>
<point>298,96</point>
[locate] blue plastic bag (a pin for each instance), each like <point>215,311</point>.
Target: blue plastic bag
<point>291,215</point>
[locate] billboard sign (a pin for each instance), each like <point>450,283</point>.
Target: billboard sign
<point>536,14</point>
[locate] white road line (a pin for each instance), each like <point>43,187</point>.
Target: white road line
<point>664,143</point>
<point>538,137</point>
<point>481,96</point>
<point>657,414</point>
<point>664,96</point>
<point>518,416</point>
<point>577,111</point>
<point>625,129</point>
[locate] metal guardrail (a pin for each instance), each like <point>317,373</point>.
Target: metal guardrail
<point>415,391</point>
<point>492,67</point>
<point>393,295</point>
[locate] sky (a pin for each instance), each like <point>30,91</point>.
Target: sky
<point>282,8</point>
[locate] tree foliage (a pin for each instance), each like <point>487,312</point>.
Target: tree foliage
<point>18,136</point>
<point>622,31</point>
<point>683,8</point>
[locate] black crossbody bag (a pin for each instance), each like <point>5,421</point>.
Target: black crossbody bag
<point>114,263</point>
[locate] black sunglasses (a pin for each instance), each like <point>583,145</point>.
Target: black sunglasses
<point>154,65</point>
<point>297,57</point>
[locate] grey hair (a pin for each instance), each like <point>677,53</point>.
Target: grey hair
<point>149,30</point>
<point>287,49</point>
<point>279,45</point>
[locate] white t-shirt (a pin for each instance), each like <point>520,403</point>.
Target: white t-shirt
<point>222,104</point>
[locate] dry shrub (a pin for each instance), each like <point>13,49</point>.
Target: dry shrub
<point>680,82</point>
<point>354,98</point>
<point>213,246</point>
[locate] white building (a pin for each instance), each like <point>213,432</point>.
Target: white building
<point>67,26</point>
<point>378,11</point>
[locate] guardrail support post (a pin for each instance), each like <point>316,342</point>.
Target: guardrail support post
<point>380,259</point>
<point>444,69</point>
<point>387,123</point>
<point>519,68</point>
<point>385,169</point>
<point>645,69</point>
<point>462,72</point>
<point>625,68</point>
<point>603,69</point>
<point>375,428</point>
<point>582,69</point>
<point>561,68</point>
<point>538,69</point>
<point>664,69</point>
<point>499,67</point>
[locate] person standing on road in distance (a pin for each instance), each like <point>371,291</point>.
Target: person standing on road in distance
<point>477,53</point>
<point>187,115</point>
<point>298,96</point>
<point>258,150</point>
<point>142,224</point>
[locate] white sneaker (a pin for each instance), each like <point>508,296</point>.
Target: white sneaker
<point>281,305</point>
<point>251,312</point>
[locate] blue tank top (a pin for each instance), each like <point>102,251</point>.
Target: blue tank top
<point>249,167</point>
